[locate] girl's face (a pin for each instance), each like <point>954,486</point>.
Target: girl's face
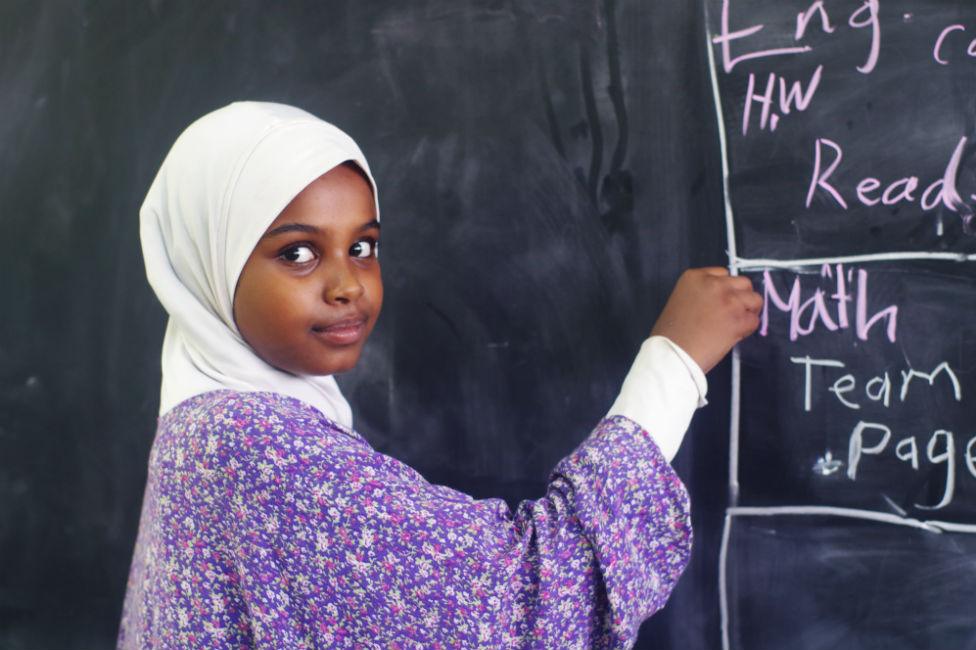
<point>311,290</point>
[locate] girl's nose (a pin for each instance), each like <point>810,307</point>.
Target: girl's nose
<point>342,285</point>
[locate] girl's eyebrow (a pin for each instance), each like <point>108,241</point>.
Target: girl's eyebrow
<point>302,227</point>
<point>290,227</point>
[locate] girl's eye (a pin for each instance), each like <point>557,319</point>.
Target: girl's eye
<point>297,255</point>
<point>365,248</point>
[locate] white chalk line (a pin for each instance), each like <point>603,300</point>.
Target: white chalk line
<point>749,264</point>
<point>732,255</point>
<point>930,525</point>
<point>733,270</point>
<point>722,142</point>
<point>951,526</point>
<point>723,598</point>
<point>734,400</point>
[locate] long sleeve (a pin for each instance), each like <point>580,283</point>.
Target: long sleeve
<point>661,392</point>
<point>292,532</point>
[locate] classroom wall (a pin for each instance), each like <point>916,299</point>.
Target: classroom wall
<point>546,171</point>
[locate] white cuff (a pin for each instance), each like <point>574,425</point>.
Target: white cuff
<point>661,392</point>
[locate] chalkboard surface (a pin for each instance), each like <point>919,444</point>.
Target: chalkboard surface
<point>546,171</point>
<point>816,582</point>
<point>848,132</point>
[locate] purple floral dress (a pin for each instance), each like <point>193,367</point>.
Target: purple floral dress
<point>266,525</point>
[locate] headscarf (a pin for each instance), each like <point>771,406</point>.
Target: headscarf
<point>226,179</point>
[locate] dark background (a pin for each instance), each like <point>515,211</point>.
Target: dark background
<point>546,171</point>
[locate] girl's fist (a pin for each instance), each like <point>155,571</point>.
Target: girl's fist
<point>708,312</point>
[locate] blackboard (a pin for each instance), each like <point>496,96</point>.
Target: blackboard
<point>546,171</point>
<point>847,131</point>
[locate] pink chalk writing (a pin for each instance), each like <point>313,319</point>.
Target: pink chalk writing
<point>804,17</point>
<point>937,49</point>
<point>726,37</point>
<point>942,191</point>
<point>819,179</point>
<point>791,97</point>
<point>859,20</point>
<point>940,41</point>
<point>865,16</point>
<point>828,312</point>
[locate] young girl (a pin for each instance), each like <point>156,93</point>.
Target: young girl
<point>268,522</point>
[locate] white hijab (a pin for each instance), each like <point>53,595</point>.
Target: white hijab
<point>227,177</point>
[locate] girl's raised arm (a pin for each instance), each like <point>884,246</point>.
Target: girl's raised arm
<point>331,542</point>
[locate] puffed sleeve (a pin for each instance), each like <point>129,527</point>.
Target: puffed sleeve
<point>337,545</point>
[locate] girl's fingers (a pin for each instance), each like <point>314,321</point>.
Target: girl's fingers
<point>752,301</point>
<point>718,271</point>
<point>741,282</point>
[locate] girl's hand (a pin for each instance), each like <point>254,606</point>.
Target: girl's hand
<point>708,312</point>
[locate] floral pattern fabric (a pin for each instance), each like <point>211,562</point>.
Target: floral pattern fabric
<point>266,525</point>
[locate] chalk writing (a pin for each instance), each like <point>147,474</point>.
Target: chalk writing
<point>804,17</point>
<point>725,38</point>
<point>827,464</point>
<point>791,97</point>
<point>940,449</point>
<point>812,85</point>
<point>940,192</point>
<point>829,311</point>
<point>873,439</point>
<point>937,52</point>
<point>771,96</point>
<point>867,16</point>
<point>849,174</point>
<point>877,388</point>
<point>864,17</point>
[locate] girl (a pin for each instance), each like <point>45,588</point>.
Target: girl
<point>268,522</point>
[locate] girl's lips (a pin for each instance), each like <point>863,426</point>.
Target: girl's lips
<point>343,333</point>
